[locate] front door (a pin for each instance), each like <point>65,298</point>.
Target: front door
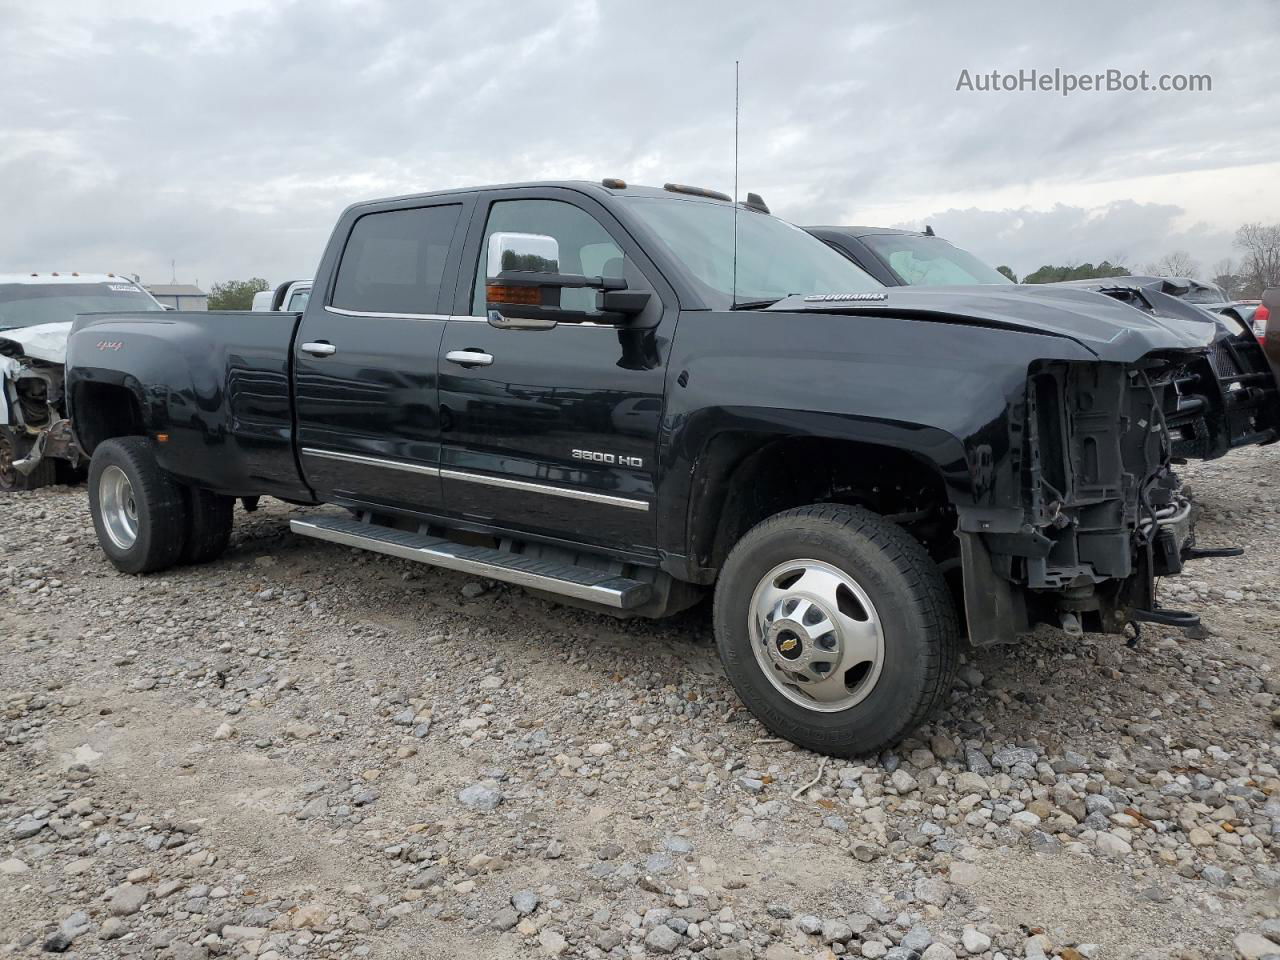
<point>555,432</point>
<point>365,359</point>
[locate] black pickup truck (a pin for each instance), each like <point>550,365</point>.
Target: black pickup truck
<point>630,397</point>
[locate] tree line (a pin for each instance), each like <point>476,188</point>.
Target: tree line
<point>1244,278</point>
<point>236,294</point>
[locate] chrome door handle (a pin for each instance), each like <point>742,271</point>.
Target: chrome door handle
<point>469,358</point>
<point>319,349</point>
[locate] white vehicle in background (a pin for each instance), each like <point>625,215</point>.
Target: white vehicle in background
<point>36,312</point>
<point>291,296</point>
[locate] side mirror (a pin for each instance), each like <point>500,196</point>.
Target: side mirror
<point>526,252</point>
<point>523,283</point>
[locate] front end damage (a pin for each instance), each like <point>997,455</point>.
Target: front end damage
<point>1103,513</point>
<point>33,406</point>
<point>1226,398</point>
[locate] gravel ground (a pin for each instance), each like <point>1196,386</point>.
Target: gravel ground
<point>306,751</point>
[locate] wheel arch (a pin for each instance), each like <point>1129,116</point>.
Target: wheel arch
<point>102,410</point>
<point>740,475</point>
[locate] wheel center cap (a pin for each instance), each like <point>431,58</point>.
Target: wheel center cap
<point>788,641</point>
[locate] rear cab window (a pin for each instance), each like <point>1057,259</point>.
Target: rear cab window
<point>394,261</point>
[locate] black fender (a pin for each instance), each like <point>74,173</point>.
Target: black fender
<point>219,408</point>
<point>949,396</point>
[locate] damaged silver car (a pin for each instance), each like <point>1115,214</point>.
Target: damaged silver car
<point>37,446</point>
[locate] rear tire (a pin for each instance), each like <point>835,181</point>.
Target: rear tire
<point>14,446</point>
<point>138,510</point>
<point>65,473</point>
<point>836,629</point>
<point>209,519</point>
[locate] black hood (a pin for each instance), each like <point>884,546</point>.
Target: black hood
<point>1106,327</point>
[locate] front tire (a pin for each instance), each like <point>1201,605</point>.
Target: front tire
<point>138,511</point>
<point>835,628</point>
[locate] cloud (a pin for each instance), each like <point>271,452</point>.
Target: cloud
<point>1123,232</point>
<point>228,137</point>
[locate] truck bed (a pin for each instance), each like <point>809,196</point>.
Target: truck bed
<point>232,429</point>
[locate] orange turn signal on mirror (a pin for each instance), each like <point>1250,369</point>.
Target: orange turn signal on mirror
<point>504,293</point>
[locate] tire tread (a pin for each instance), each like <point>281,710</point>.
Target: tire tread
<point>163,544</point>
<point>209,521</point>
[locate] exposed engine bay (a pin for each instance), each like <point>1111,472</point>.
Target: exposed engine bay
<point>1104,512</point>
<point>1227,399</point>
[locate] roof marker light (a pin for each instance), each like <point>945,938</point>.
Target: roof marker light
<point>613,183</point>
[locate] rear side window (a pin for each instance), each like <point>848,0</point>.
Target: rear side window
<point>394,261</point>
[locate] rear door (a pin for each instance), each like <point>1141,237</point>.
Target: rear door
<point>365,358</point>
<point>555,432</point>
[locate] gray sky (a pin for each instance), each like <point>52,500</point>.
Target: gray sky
<point>228,139</point>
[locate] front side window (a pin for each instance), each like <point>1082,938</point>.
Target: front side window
<point>394,260</point>
<point>586,247</point>
<point>930,261</point>
<point>773,258</point>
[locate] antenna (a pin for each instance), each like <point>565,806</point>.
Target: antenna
<point>734,295</point>
<point>173,271</point>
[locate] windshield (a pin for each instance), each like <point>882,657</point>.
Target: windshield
<point>1204,293</point>
<point>930,261</point>
<point>775,259</point>
<point>28,304</point>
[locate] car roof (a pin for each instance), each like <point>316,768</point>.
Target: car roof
<point>593,187</point>
<point>66,278</point>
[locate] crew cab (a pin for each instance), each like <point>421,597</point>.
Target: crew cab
<point>37,446</point>
<point>631,398</point>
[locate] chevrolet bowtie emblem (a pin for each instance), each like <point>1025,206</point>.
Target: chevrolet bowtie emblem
<point>788,644</point>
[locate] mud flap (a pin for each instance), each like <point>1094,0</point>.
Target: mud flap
<point>994,611</point>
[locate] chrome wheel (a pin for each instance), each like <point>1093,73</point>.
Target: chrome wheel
<point>118,508</point>
<point>816,635</point>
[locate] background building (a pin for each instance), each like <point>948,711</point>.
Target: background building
<point>180,296</point>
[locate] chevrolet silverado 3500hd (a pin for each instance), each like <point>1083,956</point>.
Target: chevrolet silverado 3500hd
<point>639,396</point>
